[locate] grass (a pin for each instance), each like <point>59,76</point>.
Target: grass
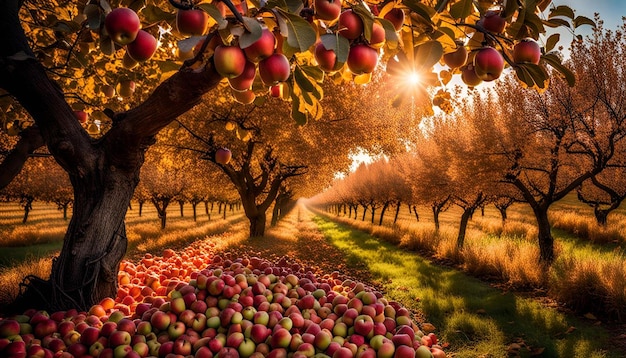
<point>476,319</point>
<point>590,259</point>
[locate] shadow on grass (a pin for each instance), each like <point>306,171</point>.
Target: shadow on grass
<point>476,319</point>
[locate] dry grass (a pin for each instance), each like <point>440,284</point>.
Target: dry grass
<point>587,276</point>
<point>587,227</point>
<point>11,277</point>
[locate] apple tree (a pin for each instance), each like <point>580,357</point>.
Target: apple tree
<point>131,67</point>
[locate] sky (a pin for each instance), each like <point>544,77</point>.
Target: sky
<point>611,11</point>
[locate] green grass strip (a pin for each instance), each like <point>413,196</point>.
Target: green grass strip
<point>476,319</point>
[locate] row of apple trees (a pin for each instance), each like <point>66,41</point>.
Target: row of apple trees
<point>509,144</point>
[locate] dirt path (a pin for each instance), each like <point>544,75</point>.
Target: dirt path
<point>297,238</point>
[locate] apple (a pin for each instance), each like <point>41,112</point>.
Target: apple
<point>15,349</point>
<point>396,17</point>
<point>203,352</point>
<point>192,22</point>
<point>9,327</point>
<point>457,58</point>
<point>261,48</point>
<point>82,116</point>
<point>343,352</point>
<point>488,63</point>
<point>230,61</point>
<point>469,77</point>
<point>142,349</point>
<point>122,350</point>
<point>280,338</point>
<point>160,320</point>
<point>364,325</point>
<point>119,338</point>
<point>45,328</point>
<point>492,21</point>
<point>176,329</point>
<point>143,47</point>
<point>246,348</point>
<point>276,68</point>
<point>377,39</point>
<point>276,90</point>
<point>350,25</point>
<point>122,24</point>
<point>89,336</point>
<point>410,352</point>
<point>182,346</point>
<point>244,81</point>
<point>223,155</point>
<point>126,89</point>
<point>527,50</point>
<point>362,59</point>
<point>326,59</point>
<point>327,9</point>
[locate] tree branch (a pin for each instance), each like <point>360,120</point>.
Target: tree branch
<point>11,166</point>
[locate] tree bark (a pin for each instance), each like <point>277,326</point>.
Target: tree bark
<point>395,217</point>
<point>601,216</point>
<point>546,241</point>
<point>28,206</point>
<point>257,225</point>
<point>460,240</point>
<point>382,213</point>
<point>140,207</point>
<point>194,204</point>
<point>181,203</point>
<point>417,216</point>
<point>502,210</point>
<point>104,172</point>
<point>436,212</point>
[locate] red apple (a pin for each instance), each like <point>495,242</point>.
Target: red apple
<point>377,39</point>
<point>527,50</point>
<point>244,81</point>
<point>230,61</point>
<point>326,59</point>
<point>327,9</point>
<point>396,17</point>
<point>119,338</point>
<point>261,48</point>
<point>350,25</point>
<point>108,91</point>
<point>82,116</point>
<point>488,63</point>
<point>143,48</point>
<point>192,22</point>
<point>362,59</point>
<point>126,88</point>
<point>223,155</point>
<point>457,58</point>
<point>9,327</point>
<point>122,25</point>
<point>276,68</point>
<point>45,328</point>
<point>276,90</point>
<point>492,21</point>
<point>408,352</point>
<point>469,77</point>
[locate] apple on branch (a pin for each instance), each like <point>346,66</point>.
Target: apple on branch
<point>327,9</point>
<point>122,24</point>
<point>192,22</point>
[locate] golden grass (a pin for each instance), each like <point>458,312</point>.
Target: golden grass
<point>11,277</point>
<point>586,276</point>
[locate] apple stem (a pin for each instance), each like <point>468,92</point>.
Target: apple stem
<point>234,10</point>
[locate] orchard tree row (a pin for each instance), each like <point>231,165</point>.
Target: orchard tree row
<point>510,144</point>
<point>131,67</point>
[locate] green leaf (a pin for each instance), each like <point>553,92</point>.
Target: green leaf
<point>366,16</point>
<point>424,11</point>
<point>302,80</point>
<point>461,9</point>
<point>301,35</point>
<point>510,8</point>
<point>314,72</point>
<point>561,10</point>
<point>299,117</point>
<point>337,43</point>
<point>391,36</point>
<point>554,61</point>
<point>552,41</point>
<point>252,34</point>
<point>556,23</point>
<point>154,14</point>
<point>94,17</point>
<point>427,55</point>
<point>582,20</point>
<point>215,13</point>
<point>293,6</point>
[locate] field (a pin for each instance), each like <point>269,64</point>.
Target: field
<point>470,315</point>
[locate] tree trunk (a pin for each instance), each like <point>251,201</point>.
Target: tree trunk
<point>181,203</point>
<point>373,213</point>
<point>257,225</point>
<point>194,204</point>
<point>436,212</point>
<point>382,213</point>
<point>395,217</point>
<point>502,210</point>
<point>65,205</point>
<point>467,213</point>
<point>364,213</point>
<point>417,216</point>
<point>140,207</point>
<point>161,207</point>
<point>28,206</point>
<point>546,241</point>
<point>601,215</point>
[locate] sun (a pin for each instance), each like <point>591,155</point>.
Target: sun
<point>413,78</point>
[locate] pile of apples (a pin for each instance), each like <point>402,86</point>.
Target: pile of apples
<point>198,303</point>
